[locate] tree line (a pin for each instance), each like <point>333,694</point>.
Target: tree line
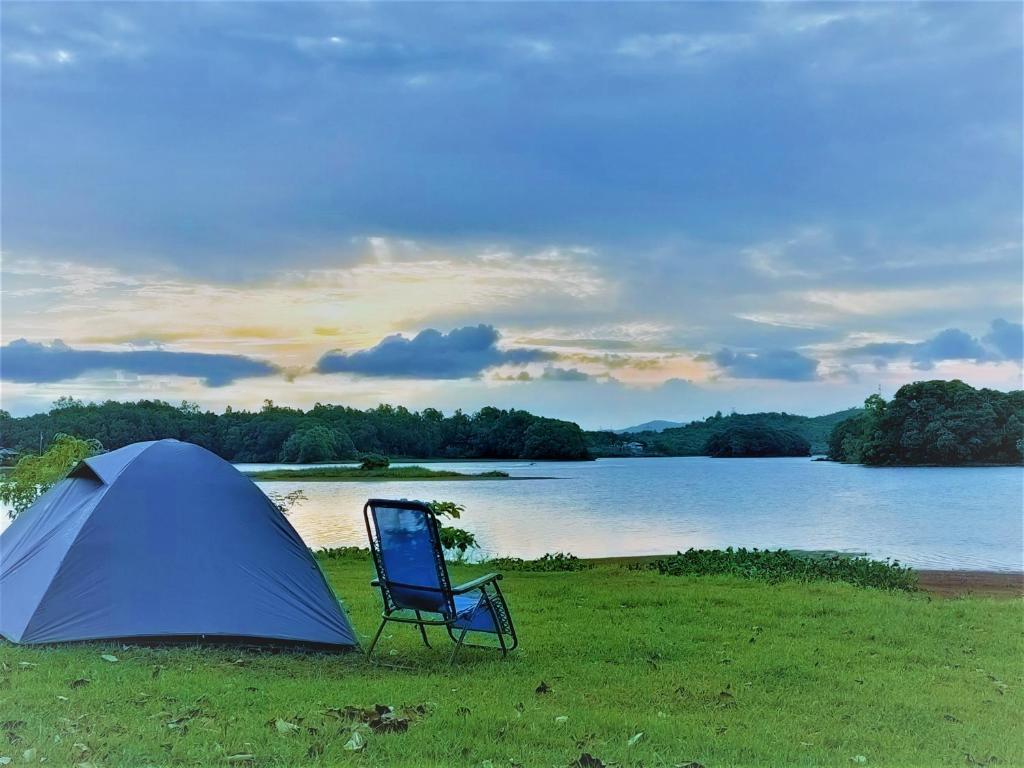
<point>323,433</point>
<point>693,439</point>
<point>935,423</point>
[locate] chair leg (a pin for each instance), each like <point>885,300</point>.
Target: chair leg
<point>376,637</point>
<point>497,624</point>
<point>508,617</point>
<point>423,631</point>
<point>458,645</point>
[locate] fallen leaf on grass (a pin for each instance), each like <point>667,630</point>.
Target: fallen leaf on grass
<point>284,727</point>
<point>5,760</point>
<point>27,664</point>
<point>29,755</point>
<point>859,759</point>
<point>562,719</point>
<point>635,739</point>
<point>109,657</point>
<point>356,742</point>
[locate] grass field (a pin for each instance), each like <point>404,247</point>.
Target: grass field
<point>641,669</point>
<point>336,474</point>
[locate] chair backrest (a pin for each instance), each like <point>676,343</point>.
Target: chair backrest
<point>407,553</point>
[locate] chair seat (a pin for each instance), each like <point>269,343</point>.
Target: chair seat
<point>472,613</point>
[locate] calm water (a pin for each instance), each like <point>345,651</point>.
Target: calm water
<point>927,517</point>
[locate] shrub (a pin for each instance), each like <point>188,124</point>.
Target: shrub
<point>452,538</point>
<point>374,461</point>
<point>341,553</point>
<point>782,565</point>
<point>559,561</point>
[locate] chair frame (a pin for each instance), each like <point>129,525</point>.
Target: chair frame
<point>487,585</point>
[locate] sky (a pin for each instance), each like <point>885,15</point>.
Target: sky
<point>602,212</point>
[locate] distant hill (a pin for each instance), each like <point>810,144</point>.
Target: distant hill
<point>649,426</point>
<point>690,439</point>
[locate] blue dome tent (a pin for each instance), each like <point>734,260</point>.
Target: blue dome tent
<point>162,541</point>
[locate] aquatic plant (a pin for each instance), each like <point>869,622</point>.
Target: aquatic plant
<point>559,561</point>
<point>783,565</point>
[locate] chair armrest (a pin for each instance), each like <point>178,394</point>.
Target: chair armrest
<point>469,586</point>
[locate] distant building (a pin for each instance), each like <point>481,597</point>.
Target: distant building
<point>634,448</point>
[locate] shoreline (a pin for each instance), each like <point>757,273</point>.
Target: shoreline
<point>455,479</point>
<point>941,583</point>
<point>946,583</point>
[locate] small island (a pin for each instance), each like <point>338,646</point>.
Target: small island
<point>372,474</point>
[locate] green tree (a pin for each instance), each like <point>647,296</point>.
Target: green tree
<point>556,440</point>
<point>316,444</point>
<point>32,476</point>
<point>737,442</point>
<point>934,422</point>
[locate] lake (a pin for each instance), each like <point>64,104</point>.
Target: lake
<point>928,517</point>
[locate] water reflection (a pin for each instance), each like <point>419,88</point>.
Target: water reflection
<point>927,517</point>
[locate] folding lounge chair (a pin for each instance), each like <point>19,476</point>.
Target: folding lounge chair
<point>413,579</point>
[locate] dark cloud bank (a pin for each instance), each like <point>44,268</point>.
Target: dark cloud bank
<point>27,361</point>
<point>783,364</point>
<point>1004,342</point>
<point>460,354</point>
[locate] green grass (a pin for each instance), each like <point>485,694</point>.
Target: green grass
<point>719,670</point>
<point>335,474</point>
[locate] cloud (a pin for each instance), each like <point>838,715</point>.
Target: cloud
<point>32,362</point>
<point>552,373</point>
<point>1003,342</point>
<point>682,46</point>
<point>782,364</point>
<point>1007,338</point>
<point>460,354</point>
